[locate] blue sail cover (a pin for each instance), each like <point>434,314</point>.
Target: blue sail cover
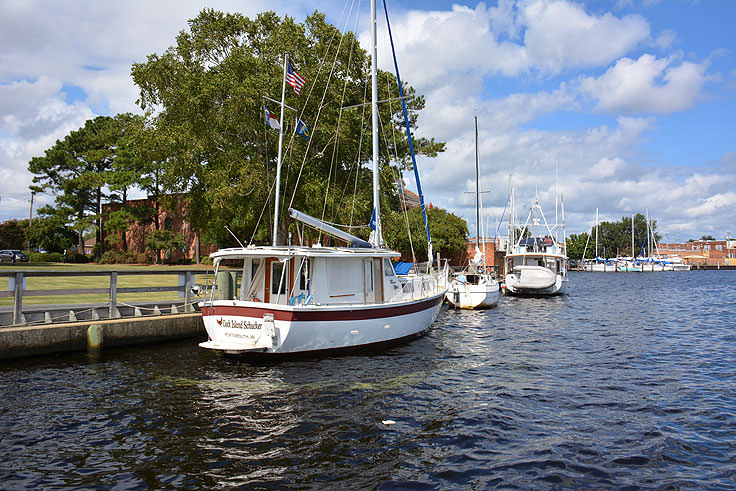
<point>401,267</point>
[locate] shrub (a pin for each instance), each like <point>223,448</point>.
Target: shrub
<point>127,257</point>
<point>75,257</point>
<point>44,257</point>
<point>100,248</point>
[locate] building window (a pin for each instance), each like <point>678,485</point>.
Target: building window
<point>167,223</point>
<point>719,247</point>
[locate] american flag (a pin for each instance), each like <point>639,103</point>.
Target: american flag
<point>294,79</point>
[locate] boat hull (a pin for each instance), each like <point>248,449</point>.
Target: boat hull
<point>534,280</point>
<point>468,296</point>
<point>246,328</point>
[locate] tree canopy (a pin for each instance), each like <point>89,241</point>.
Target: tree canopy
<point>206,97</point>
<point>77,170</point>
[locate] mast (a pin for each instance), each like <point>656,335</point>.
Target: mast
<point>377,239</point>
<point>649,247</point>
<point>633,254</point>
<point>596,233</point>
<point>278,159</point>
<point>477,190</point>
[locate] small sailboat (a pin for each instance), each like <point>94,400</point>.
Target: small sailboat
<point>474,287</point>
<point>535,264</point>
<point>297,300</point>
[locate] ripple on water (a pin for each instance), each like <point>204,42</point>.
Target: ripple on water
<point>627,381</point>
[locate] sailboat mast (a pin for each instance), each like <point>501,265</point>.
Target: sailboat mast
<point>477,190</point>
<point>649,247</point>
<point>377,240</point>
<point>633,254</point>
<point>278,159</point>
<point>596,233</point>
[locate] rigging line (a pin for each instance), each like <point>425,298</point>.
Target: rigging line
<point>337,204</point>
<point>319,109</point>
<point>430,252</point>
<point>358,165</point>
<point>402,197</point>
<point>400,181</point>
<point>268,199</point>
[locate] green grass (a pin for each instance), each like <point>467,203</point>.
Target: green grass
<point>124,281</point>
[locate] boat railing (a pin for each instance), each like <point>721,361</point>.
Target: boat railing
<point>418,286</point>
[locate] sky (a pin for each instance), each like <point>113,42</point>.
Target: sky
<point>625,106</point>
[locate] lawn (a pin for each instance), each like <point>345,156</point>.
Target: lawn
<point>203,274</point>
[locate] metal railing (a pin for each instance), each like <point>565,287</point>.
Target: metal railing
<point>17,291</point>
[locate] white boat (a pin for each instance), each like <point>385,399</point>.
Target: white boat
<point>296,300</point>
<point>474,287</point>
<point>535,265</point>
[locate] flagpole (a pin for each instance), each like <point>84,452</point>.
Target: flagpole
<point>278,158</point>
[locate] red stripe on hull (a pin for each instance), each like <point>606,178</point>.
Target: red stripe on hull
<point>321,315</point>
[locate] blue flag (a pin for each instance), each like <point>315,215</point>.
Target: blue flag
<point>301,129</point>
<point>372,223</point>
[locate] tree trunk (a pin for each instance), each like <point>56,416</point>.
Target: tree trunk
<point>124,233</point>
<point>98,220</point>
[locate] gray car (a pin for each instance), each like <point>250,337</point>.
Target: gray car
<point>12,256</point>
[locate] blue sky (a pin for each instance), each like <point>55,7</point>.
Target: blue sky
<point>624,106</point>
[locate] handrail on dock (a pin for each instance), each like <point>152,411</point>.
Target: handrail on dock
<point>16,287</point>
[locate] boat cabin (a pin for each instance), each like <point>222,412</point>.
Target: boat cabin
<point>306,275</point>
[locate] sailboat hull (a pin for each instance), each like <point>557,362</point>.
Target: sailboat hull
<point>468,296</point>
<point>245,328</point>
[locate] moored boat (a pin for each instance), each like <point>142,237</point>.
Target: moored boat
<point>474,287</point>
<point>296,300</point>
<point>535,265</point>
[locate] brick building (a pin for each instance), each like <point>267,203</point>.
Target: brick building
<point>168,219</point>
<point>703,252</point>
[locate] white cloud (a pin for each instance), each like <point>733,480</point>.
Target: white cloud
<point>561,35</point>
<point>606,168</point>
<point>647,85</point>
<point>718,203</point>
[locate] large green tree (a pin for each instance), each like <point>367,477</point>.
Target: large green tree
<point>77,171</point>
<point>449,233</point>
<point>207,94</point>
<point>13,234</point>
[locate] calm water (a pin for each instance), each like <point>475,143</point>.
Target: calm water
<point>629,381</point>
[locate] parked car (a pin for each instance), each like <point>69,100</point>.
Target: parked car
<point>12,256</point>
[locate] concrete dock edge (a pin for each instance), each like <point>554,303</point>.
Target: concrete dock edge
<point>17,342</point>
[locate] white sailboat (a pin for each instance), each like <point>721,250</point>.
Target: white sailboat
<point>474,287</point>
<point>296,300</point>
<point>535,264</point>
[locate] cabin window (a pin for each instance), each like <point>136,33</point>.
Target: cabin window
<point>254,267</point>
<point>304,275</point>
<point>277,268</point>
<point>388,269</point>
<point>369,275</point>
